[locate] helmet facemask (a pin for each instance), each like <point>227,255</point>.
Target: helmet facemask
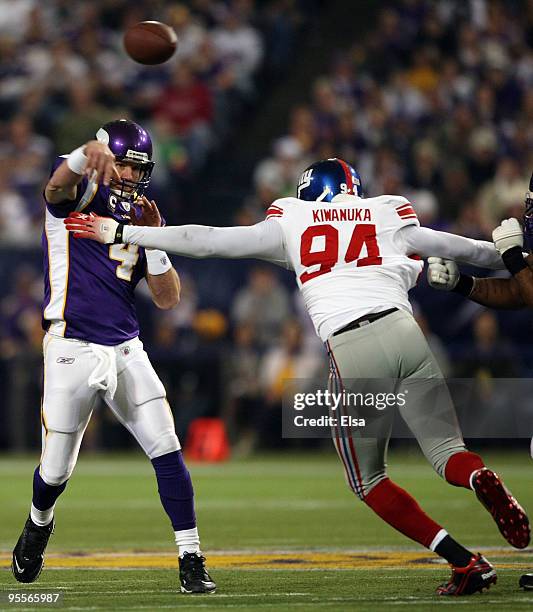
<point>528,213</point>
<point>131,190</point>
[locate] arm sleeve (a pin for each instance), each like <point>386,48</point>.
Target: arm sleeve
<point>261,241</point>
<point>431,243</point>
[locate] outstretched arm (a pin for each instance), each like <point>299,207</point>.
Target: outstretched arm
<point>514,292</point>
<point>497,293</point>
<point>261,241</point>
<point>431,243</point>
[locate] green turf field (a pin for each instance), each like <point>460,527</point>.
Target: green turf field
<point>278,531</point>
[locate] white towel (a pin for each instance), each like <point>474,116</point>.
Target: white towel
<point>104,375</point>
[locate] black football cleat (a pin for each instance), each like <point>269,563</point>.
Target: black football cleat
<point>476,576</point>
<point>526,582</point>
<point>28,555</point>
<point>507,513</point>
<point>193,575</point>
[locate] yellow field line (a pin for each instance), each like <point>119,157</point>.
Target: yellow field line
<point>283,560</point>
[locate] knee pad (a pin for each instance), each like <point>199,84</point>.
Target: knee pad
<point>167,443</point>
<point>55,475</point>
<point>153,428</point>
<point>59,457</point>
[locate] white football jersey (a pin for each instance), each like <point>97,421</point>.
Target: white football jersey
<point>345,258</point>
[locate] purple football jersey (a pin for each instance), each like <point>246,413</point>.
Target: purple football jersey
<point>88,286</point>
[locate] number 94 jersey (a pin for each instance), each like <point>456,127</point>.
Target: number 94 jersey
<point>88,286</point>
<point>345,256</point>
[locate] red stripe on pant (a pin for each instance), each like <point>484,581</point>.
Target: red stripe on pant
<point>401,511</point>
<point>349,459</point>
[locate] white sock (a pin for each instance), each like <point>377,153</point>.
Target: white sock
<point>438,539</point>
<point>42,517</point>
<point>187,540</point>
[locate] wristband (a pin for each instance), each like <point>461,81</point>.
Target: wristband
<point>464,286</point>
<point>157,262</point>
<point>514,260</point>
<point>119,238</point>
<point>77,160</point>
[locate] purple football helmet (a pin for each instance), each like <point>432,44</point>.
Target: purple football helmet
<point>130,143</point>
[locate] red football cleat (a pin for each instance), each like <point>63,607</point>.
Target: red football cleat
<point>476,576</point>
<point>507,513</point>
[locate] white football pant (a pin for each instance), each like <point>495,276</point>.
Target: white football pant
<point>75,373</point>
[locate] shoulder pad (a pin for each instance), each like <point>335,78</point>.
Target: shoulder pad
<point>391,200</point>
<point>276,209</point>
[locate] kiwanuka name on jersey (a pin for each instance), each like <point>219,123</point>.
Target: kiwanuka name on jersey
<point>88,286</point>
<point>345,256</point>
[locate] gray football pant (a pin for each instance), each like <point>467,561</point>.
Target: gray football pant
<point>394,350</point>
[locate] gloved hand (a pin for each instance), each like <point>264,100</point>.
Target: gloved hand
<point>442,273</point>
<point>507,235</point>
<point>93,227</point>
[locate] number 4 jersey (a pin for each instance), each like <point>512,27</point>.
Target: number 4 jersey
<point>89,287</point>
<point>347,256</point>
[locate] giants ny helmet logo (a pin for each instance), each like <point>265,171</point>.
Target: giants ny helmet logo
<point>325,179</point>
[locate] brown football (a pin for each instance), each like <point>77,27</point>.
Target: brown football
<point>150,42</point>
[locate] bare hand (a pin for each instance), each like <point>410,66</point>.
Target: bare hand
<point>100,166</point>
<point>150,214</point>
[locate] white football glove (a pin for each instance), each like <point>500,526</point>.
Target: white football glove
<point>443,274</point>
<point>93,227</point>
<point>507,235</point>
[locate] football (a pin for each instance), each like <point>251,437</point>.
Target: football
<point>150,42</point>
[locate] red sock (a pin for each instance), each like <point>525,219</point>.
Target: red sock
<point>401,511</point>
<point>460,467</point>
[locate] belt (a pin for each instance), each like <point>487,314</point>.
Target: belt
<point>364,320</point>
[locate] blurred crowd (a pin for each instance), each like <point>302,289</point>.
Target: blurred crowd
<point>434,103</point>
<point>64,72</point>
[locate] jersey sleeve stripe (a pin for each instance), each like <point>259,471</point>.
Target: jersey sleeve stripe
<point>410,217</point>
<point>406,213</point>
<point>406,205</point>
